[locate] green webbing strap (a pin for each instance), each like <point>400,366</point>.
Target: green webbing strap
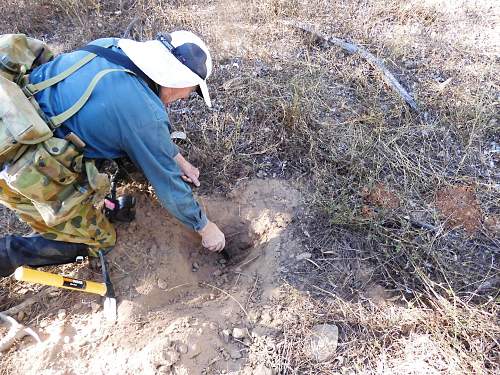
<point>59,119</point>
<point>33,89</point>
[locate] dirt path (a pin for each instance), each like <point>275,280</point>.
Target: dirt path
<point>181,310</point>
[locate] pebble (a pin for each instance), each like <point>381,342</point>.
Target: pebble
<point>254,315</point>
<point>266,317</point>
<point>182,348</point>
<point>61,314</point>
<point>162,284</point>
<point>164,370</point>
<point>225,335</point>
<point>262,370</point>
<point>196,265</point>
<point>239,333</point>
<point>222,261</point>
<point>165,358</point>
<point>217,273</point>
<point>235,354</point>
<point>21,315</point>
<point>322,342</point>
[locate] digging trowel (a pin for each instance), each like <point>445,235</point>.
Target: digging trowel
<point>104,289</point>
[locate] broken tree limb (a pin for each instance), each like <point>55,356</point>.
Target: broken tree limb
<point>17,331</point>
<point>354,48</point>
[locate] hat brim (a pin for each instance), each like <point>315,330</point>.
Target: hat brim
<point>162,67</point>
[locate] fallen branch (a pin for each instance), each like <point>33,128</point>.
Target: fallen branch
<point>354,48</point>
<point>17,331</point>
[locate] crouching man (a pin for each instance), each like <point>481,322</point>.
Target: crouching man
<point>104,101</point>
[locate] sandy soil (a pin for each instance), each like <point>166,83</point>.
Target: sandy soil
<point>178,304</point>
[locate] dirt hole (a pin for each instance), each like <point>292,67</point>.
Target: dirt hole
<point>178,303</point>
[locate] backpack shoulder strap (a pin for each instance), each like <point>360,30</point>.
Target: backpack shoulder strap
<point>122,60</point>
<point>31,89</point>
<point>56,121</point>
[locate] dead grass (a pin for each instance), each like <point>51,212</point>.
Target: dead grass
<point>287,107</point>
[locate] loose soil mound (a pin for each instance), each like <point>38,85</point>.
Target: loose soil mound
<point>178,303</point>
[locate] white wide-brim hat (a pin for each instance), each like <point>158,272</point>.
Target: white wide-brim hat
<point>165,68</point>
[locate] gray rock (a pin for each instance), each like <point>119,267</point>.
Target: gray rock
<point>217,273</point>
<point>235,354</point>
<point>182,348</point>
<point>162,284</point>
<point>61,314</point>
<point>165,357</point>
<point>239,333</point>
<point>262,370</point>
<point>322,342</point>
<point>225,335</point>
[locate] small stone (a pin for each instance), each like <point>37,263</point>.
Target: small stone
<point>266,318</point>
<point>21,315</point>
<point>222,261</point>
<point>61,314</point>
<point>225,335</point>
<point>182,348</point>
<point>239,333</point>
<point>235,354</point>
<point>165,358</point>
<point>196,265</point>
<point>217,273</point>
<point>78,306</point>
<point>164,370</point>
<point>162,284</point>
<point>303,256</point>
<point>262,370</point>
<point>323,341</point>
<point>67,339</point>
<point>211,296</point>
<point>254,315</point>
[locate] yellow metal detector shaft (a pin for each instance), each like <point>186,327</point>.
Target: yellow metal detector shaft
<point>51,279</point>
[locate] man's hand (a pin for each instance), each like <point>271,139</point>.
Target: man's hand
<point>190,172</point>
<point>212,238</point>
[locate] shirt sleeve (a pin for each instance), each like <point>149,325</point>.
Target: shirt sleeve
<point>150,148</point>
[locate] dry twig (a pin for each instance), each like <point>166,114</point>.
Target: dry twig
<point>354,48</point>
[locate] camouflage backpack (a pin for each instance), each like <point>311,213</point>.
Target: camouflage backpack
<point>20,120</point>
<point>49,171</point>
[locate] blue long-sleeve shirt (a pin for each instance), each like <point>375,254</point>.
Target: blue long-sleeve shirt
<point>122,117</point>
